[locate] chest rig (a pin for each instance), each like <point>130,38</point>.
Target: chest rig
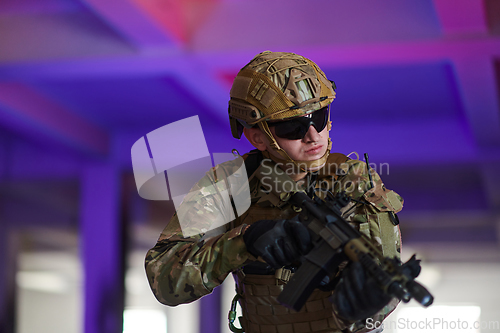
<point>258,285</point>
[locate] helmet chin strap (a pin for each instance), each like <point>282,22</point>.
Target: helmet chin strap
<point>299,166</point>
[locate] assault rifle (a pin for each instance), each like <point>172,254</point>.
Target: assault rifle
<point>336,241</point>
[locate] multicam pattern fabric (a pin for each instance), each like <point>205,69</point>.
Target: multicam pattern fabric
<point>181,270</point>
<point>274,82</point>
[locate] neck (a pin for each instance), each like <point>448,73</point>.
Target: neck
<point>291,170</point>
<point>289,167</point>
<point>298,176</point>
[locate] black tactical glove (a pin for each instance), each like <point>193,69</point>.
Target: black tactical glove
<point>278,242</point>
<point>357,296</point>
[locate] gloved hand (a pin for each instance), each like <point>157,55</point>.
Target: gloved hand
<point>278,242</point>
<point>357,296</point>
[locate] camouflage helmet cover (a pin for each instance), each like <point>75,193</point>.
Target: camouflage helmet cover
<point>277,86</point>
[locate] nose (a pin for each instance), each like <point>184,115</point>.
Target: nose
<point>312,135</point>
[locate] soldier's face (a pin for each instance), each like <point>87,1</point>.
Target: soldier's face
<point>312,147</point>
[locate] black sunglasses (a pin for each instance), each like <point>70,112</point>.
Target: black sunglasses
<point>296,128</point>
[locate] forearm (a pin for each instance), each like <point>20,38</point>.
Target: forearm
<point>378,226</point>
<point>181,270</point>
<point>375,321</point>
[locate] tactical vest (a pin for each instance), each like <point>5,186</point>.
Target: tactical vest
<point>263,314</point>
<point>261,311</point>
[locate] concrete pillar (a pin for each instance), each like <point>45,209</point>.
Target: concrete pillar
<point>210,312</point>
<point>8,262</point>
<point>102,249</point>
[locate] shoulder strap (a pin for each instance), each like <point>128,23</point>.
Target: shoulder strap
<point>252,161</point>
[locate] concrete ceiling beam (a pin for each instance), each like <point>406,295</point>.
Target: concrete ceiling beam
<point>24,110</point>
<point>461,16</point>
<point>132,22</point>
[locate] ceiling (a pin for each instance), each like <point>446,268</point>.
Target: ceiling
<point>418,89</point>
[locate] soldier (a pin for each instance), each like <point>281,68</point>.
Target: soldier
<point>281,103</point>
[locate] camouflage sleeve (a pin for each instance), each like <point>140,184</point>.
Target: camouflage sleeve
<point>371,216</point>
<point>373,203</point>
<point>186,264</point>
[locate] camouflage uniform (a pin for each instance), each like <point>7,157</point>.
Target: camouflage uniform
<point>181,270</point>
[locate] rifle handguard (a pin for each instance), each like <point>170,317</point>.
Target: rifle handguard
<point>337,241</point>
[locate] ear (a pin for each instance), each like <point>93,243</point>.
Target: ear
<point>255,136</point>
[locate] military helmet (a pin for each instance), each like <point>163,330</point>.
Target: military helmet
<point>277,86</point>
